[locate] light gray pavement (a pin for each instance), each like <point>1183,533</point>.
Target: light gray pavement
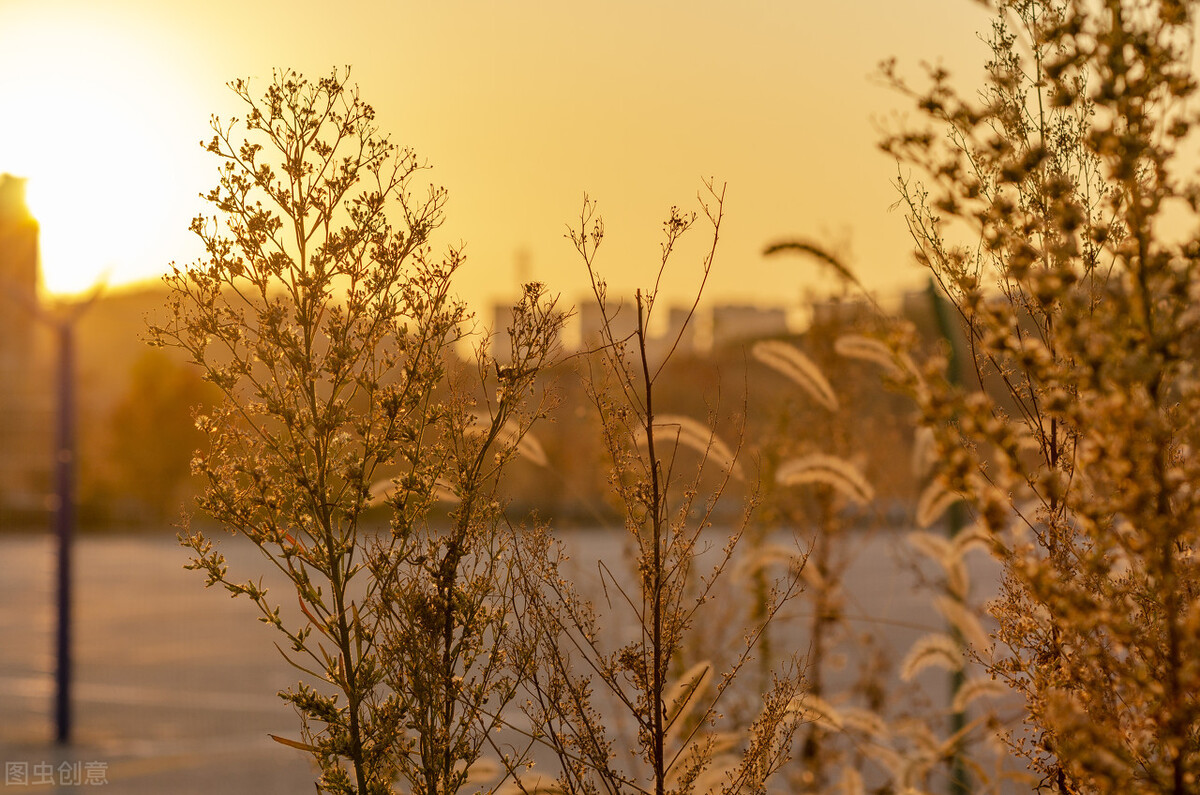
<point>174,683</point>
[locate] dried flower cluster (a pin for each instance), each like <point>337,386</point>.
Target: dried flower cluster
<point>321,315</point>
<point>1058,215</point>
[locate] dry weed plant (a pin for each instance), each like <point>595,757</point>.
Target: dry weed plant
<point>815,493</point>
<point>1058,210</point>
<point>321,314</point>
<point>588,676</point>
<point>878,722</point>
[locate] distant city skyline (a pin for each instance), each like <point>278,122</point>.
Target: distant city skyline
<point>520,108</point>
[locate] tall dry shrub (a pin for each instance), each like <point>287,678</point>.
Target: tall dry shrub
<point>627,658</point>
<point>1057,210</point>
<point>321,314</point>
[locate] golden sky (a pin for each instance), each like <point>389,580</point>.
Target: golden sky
<point>520,107</point>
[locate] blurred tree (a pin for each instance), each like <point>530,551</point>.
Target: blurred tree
<point>153,435</point>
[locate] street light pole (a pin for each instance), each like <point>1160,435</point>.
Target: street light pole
<point>18,282</point>
<point>64,520</point>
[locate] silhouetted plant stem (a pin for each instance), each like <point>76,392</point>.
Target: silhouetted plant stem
<point>656,521</point>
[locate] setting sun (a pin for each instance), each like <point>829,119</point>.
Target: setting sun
<point>94,132</point>
<point>518,111</point>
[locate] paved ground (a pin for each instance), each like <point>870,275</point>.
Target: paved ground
<point>174,683</point>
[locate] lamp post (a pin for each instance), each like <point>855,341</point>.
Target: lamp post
<point>18,284</point>
<point>64,517</point>
<point>62,325</point>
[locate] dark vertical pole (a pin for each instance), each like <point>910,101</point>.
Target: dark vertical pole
<point>64,523</point>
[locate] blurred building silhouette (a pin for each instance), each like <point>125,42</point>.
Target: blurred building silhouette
<point>501,345</point>
<point>501,341</point>
<point>622,316</point>
<point>841,313</point>
<point>24,445</point>
<point>681,333</point>
<point>687,331</point>
<point>739,323</point>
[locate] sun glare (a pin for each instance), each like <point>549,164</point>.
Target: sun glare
<point>89,123</point>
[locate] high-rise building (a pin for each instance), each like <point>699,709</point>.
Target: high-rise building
<point>24,446</point>
<point>738,323</point>
<point>18,272</point>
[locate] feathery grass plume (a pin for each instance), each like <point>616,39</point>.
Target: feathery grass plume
<point>812,250</point>
<point>924,451</point>
<point>312,749</point>
<point>829,470</point>
<point>789,361</point>
<point>896,363</point>
<point>946,554</point>
<point>758,559</point>
<point>714,777</point>
<point>813,708</point>
<point>977,688</point>
<point>865,721</point>
<point>699,437</point>
<point>965,621</point>
<point>958,581</point>
<point>510,434</point>
<point>936,649</point>
<point>680,700</point>
<point>867,349</point>
<point>481,770</point>
<point>972,537</point>
<point>813,578</point>
<point>933,546</point>
<point>381,490</point>
<point>707,758</point>
<point>851,782</point>
<point>934,501</point>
